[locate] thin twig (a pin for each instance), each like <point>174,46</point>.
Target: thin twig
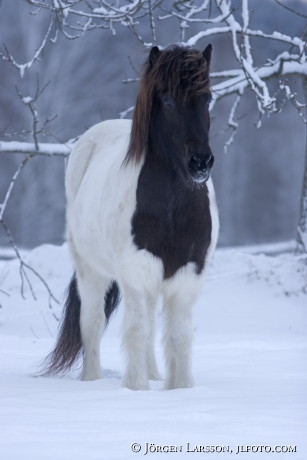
<point>291,9</point>
<point>9,191</point>
<point>23,267</point>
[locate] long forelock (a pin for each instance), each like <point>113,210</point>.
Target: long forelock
<point>180,72</point>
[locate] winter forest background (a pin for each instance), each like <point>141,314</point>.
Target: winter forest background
<point>83,77</point>
<point>67,64</point>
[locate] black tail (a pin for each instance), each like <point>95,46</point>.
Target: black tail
<point>69,344</point>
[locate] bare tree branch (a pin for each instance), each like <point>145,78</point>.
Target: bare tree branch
<point>23,67</point>
<point>287,7</point>
<point>24,268</point>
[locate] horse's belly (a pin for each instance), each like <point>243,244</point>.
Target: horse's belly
<point>108,248</point>
<point>98,231</point>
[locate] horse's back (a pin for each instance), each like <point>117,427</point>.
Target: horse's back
<point>106,141</point>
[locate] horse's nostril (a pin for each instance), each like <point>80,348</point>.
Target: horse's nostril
<point>195,162</point>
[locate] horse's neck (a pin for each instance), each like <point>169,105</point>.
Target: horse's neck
<point>160,177</point>
<point>162,188</point>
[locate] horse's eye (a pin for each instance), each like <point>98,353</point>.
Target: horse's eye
<point>168,102</point>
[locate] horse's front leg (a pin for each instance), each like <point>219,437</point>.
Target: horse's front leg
<point>152,368</point>
<point>178,331</point>
<point>135,339</point>
<point>178,344</point>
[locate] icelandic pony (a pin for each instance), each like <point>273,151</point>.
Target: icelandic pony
<point>142,220</point>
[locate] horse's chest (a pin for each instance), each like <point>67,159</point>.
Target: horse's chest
<point>172,224</point>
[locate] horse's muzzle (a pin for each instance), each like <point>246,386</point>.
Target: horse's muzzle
<point>200,167</point>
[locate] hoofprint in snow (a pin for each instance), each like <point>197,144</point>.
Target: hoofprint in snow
<point>249,363</point>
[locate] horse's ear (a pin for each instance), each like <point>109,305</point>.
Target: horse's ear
<point>153,55</point>
<point>207,54</point>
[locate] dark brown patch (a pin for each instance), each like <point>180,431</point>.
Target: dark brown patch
<point>171,221</point>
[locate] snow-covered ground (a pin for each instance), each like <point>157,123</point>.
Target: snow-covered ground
<point>250,368</point>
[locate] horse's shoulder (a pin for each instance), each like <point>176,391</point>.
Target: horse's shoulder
<point>105,132</point>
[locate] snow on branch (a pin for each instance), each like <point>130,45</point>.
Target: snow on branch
<point>67,18</point>
<point>236,80</point>
<point>41,149</point>
<point>247,75</point>
<point>244,57</point>
<point>80,16</point>
<point>23,67</point>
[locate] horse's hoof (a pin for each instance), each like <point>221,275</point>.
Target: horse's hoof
<point>171,385</point>
<point>90,376</point>
<point>136,386</point>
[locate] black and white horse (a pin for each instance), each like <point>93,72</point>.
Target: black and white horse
<point>142,220</point>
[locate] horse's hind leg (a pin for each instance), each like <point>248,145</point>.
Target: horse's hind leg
<point>92,289</point>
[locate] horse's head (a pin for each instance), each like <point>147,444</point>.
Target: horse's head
<point>173,110</point>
